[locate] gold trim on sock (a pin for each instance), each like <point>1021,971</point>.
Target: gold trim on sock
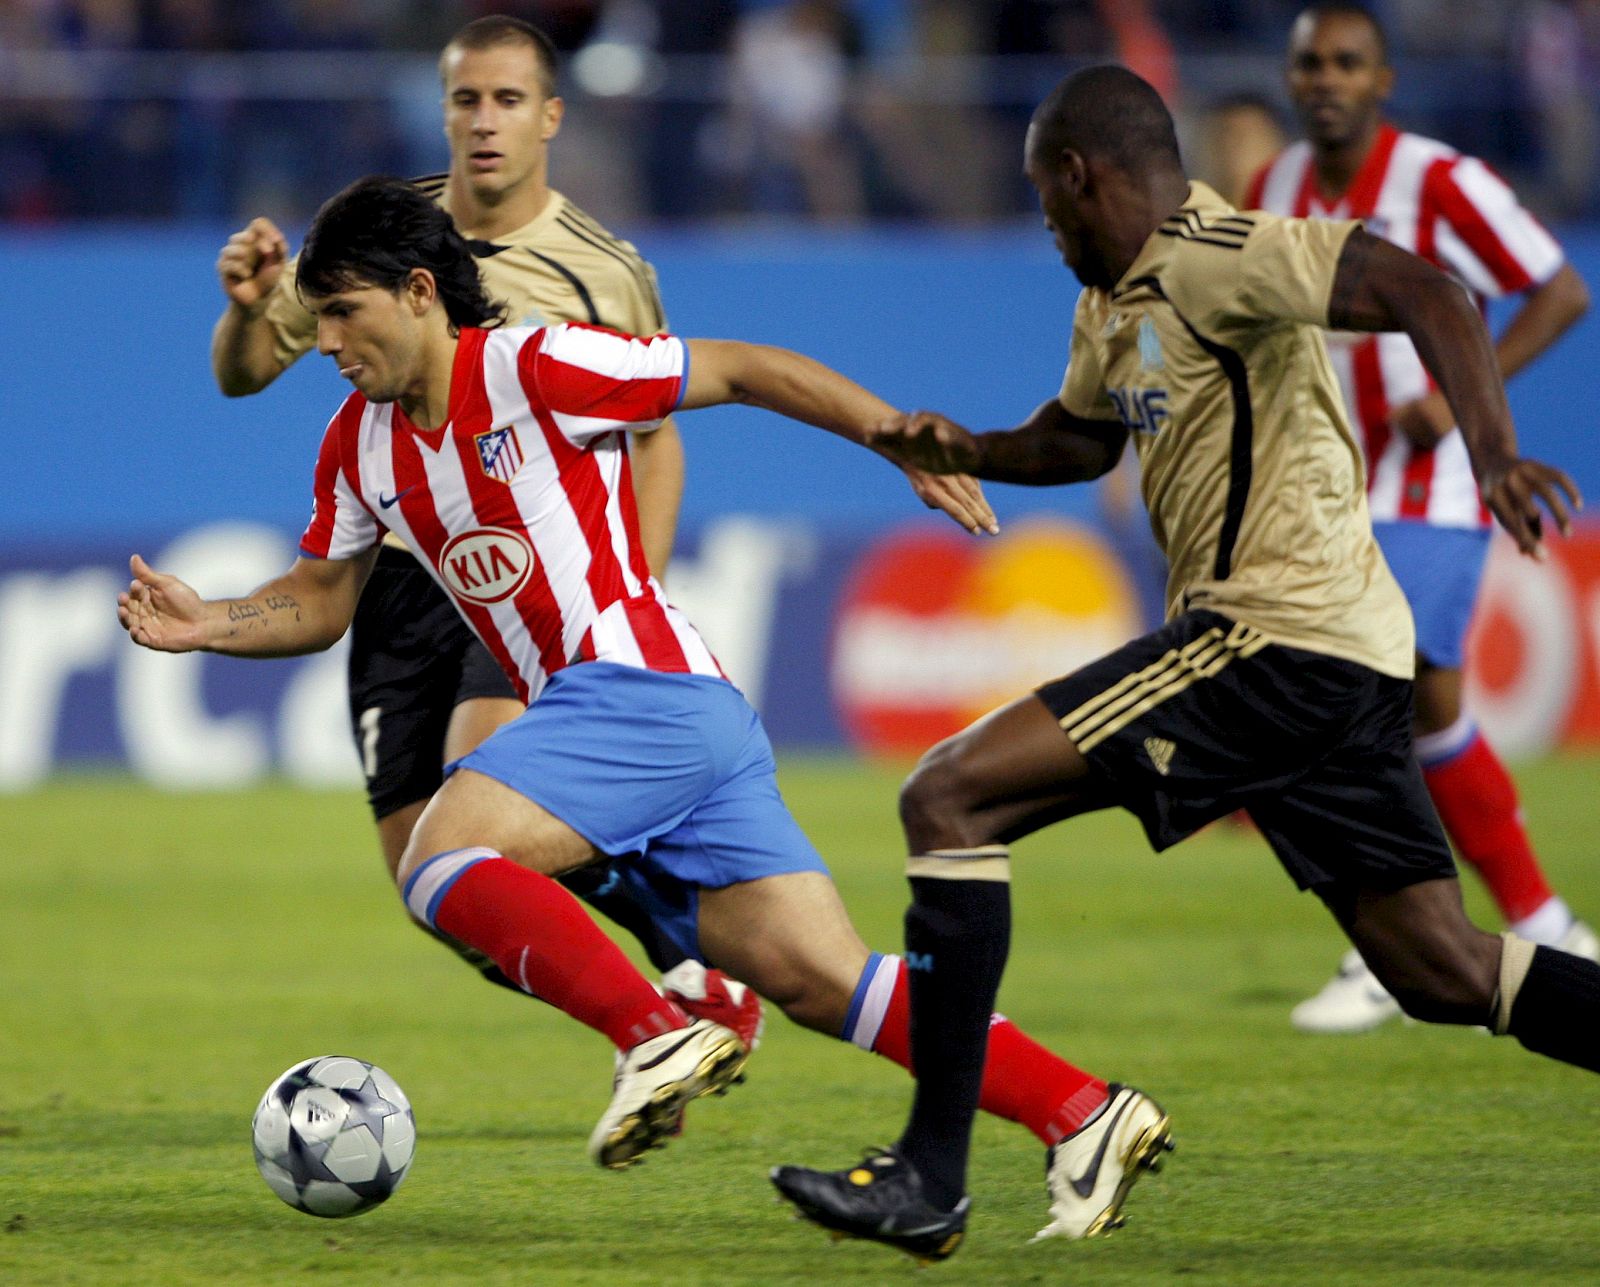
<point>984,862</point>
<point>1516,955</point>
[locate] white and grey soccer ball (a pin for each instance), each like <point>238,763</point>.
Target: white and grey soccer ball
<point>334,1136</point>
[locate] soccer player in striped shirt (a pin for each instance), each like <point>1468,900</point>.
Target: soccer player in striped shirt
<point>501,457</point>
<point>422,690</point>
<point>1429,519</point>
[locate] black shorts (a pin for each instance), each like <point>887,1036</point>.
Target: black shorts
<point>412,662</point>
<point>1205,717</point>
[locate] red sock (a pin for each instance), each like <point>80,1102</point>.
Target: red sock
<point>1477,803</point>
<point>1022,1081</point>
<point>543,940</point>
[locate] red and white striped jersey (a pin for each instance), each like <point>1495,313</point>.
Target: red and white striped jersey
<point>521,504</point>
<point>1455,212</point>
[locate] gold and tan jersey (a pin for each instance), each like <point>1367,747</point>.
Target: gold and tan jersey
<point>562,266</point>
<point>1209,351</point>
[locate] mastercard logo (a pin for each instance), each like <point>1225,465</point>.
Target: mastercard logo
<point>935,629</point>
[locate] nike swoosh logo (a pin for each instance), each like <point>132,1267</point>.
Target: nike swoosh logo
<point>1083,1185</point>
<point>384,502</point>
<point>888,1229</point>
<point>667,1053</point>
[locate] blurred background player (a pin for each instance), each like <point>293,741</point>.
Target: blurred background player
<point>1238,135</point>
<point>1429,519</point>
<point>422,690</point>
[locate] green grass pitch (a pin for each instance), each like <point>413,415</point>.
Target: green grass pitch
<point>162,957</point>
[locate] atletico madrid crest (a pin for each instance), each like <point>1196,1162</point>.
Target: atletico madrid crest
<point>500,453</point>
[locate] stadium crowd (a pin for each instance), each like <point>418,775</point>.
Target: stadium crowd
<point>838,110</point>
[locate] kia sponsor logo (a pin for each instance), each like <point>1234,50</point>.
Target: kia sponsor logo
<point>487,564</point>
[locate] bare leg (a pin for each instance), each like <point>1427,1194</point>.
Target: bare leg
<point>1004,777</point>
<point>394,833</point>
<point>1477,801</point>
<point>1441,968</point>
<point>470,723</point>
<point>472,810</point>
<point>1418,941</point>
<point>1438,697</point>
<point>789,938</point>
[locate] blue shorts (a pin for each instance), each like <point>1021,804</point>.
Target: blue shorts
<point>1439,569</point>
<point>673,771</point>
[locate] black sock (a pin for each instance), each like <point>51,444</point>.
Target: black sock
<point>1557,1008</point>
<point>599,886</point>
<point>958,932</point>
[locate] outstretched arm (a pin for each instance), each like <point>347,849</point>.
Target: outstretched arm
<point>1051,446</point>
<point>722,371</point>
<point>243,357</point>
<point>307,609</point>
<point>1379,287</point>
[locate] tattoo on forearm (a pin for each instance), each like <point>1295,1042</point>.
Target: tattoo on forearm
<point>244,611</point>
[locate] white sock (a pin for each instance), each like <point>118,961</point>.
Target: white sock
<point>1548,925</point>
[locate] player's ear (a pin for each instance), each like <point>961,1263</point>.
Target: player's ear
<point>1073,167</point>
<point>420,290</point>
<point>552,111</point>
<point>1385,82</point>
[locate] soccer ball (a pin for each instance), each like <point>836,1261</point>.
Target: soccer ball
<point>334,1136</point>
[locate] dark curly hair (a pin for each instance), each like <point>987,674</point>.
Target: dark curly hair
<point>376,232</point>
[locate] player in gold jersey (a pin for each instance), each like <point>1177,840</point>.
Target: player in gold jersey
<point>1281,683</point>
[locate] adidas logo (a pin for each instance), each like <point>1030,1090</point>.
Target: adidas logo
<point>1160,752</point>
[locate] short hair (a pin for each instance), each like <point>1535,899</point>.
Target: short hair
<point>376,231</point>
<point>1349,9</point>
<point>502,29</point>
<point>1245,100</point>
<point>1108,112</point>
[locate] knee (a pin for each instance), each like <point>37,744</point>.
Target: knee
<point>441,828</point>
<point>936,801</point>
<point>404,870</point>
<point>419,848</point>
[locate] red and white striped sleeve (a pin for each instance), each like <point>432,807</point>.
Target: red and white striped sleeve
<point>1483,233</point>
<point>1258,187</point>
<point>593,381</point>
<point>341,525</point>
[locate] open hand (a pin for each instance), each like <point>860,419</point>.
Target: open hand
<point>958,495</point>
<point>159,611</point>
<point>1514,494</point>
<point>251,263</point>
